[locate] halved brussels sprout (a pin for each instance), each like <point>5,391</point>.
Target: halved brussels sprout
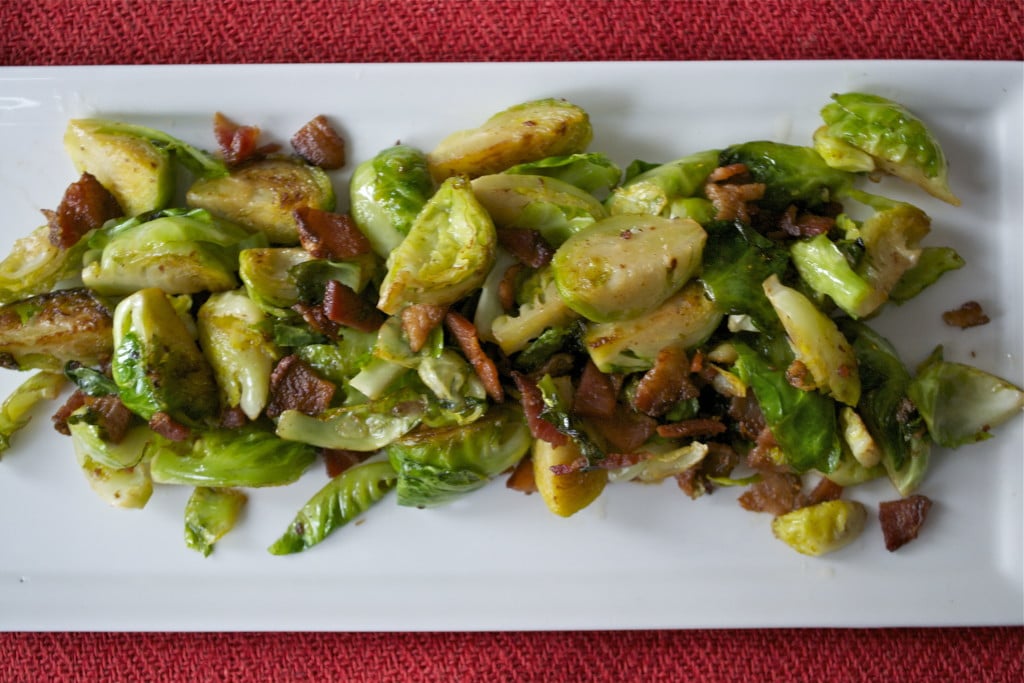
<point>822,528</point>
<point>591,172</point>
<point>179,251</point>
<point>447,254</point>
<point>896,140</point>
<point>565,494</point>
<point>50,330</point>
<point>157,365</point>
<point>118,473</point>
<point>364,427</point>
<point>624,266</point>
<point>263,196</point>
<point>210,513</point>
<point>35,266</point>
<point>686,319</point>
<point>16,410</point>
<point>541,309</point>
<point>523,133</point>
<point>655,191</point>
<point>267,274</point>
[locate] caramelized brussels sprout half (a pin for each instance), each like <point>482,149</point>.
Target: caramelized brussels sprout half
<point>35,266</point>
<point>16,410</point>
<point>117,473</point>
<point>210,513</point>
<point>565,494</point>
<point>591,172</point>
<point>624,266</point>
<point>655,191</point>
<point>263,196</point>
<point>50,330</point>
<point>541,308</point>
<point>523,133</point>
<point>822,528</point>
<point>267,274</point>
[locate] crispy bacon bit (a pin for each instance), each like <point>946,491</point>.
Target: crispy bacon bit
<point>86,204</point>
<point>533,404</point>
<point>233,418</point>
<point>804,224</point>
<point>507,287</point>
<point>466,336</point>
<point>577,465</point>
<point>318,143</point>
<point>747,415</point>
<point>115,418</point>
<point>419,320</point>
<point>316,317</point>
<point>237,143</point>
<point>902,519</point>
<point>696,427</point>
<point>522,478</point>
<point>294,385</point>
<point>167,427</point>
<point>823,491</point>
<point>329,235</point>
<point>665,384</point>
<point>595,395</point>
<point>760,456</point>
<point>337,460</point>
<point>731,171</point>
<point>970,314</point>
<point>556,365</point>
<point>776,493</point>
<point>344,306</point>
<point>527,245</point>
<point>615,461</point>
<point>625,430</point>
<point>798,375</point>
<point>60,418</point>
<point>729,192</point>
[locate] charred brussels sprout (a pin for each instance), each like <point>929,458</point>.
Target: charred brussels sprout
<point>523,133</point>
<point>865,132</point>
<point>263,196</point>
<point>792,174</point>
<point>49,330</point>
<point>568,493</point>
<point>268,276</point>
<point>157,365</point>
<point>36,266</point>
<point>447,254</point>
<point>655,191</point>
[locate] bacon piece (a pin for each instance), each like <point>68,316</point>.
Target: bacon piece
<point>115,418</point>
<point>507,287</point>
<point>746,415</point>
<point>329,235</point>
<point>466,336</point>
<point>294,385</point>
<point>60,418</point>
<point>527,245</point>
<point>337,460</point>
<point>533,403</point>
<point>320,144</point>
<point>696,427</point>
<point>728,172</point>
<point>776,493</point>
<point>824,490</point>
<point>237,143</point>
<point>595,395</point>
<point>902,519</point>
<point>729,194</point>
<point>625,430</point>
<point>760,456</point>
<point>665,384</point>
<point>86,204</point>
<point>316,317</point>
<point>798,376</point>
<point>169,428</point>
<point>577,465</point>
<point>970,314</point>
<point>344,306</point>
<point>804,224</point>
<point>233,418</point>
<point>419,320</point>
<point>522,478</point>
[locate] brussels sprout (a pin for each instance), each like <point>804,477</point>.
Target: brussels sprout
<point>436,466</point>
<point>35,266</point>
<point>543,309</point>
<point>85,427</point>
<point>665,459</point>
<point>49,330</point>
<point>118,473</point>
<point>137,171</point>
<point>341,360</point>
<point>340,501</point>
<point>209,514</point>
<point>931,264</point>
<point>249,457</point>
<point>268,279</point>
<point>792,174</point>
<point>362,427</point>
<point>523,133</point>
<point>550,206</point>
<point>896,140</point>
<point>446,255</point>
<point>961,404</point>
<point>816,342</point>
<point>565,494</point>
<point>685,319</point>
<point>822,528</point>
<point>263,195</point>
<point>654,191</point>
<point>387,192</point>
<point>242,358</point>
<point>593,172</point>
<point>857,437</point>
<point>181,252</point>
<point>16,410</point>
<point>824,268</point>
<point>157,365</point>
<point>624,266</point>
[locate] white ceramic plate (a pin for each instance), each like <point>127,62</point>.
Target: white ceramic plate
<point>641,557</point>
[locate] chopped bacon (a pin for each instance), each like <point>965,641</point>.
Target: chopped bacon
<point>665,384</point>
<point>760,456</point>
<point>507,287</point>
<point>337,460</point>
<point>419,320</point>
<point>466,336</point>
<point>86,204</point>
<point>730,198</point>
<point>804,224</point>
<point>615,461</point>
<point>329,235</point>
<point>233,418</point>
<point>556,365</point>
<point>527,245</point>
<point>294,385</point>
<point>798,376</point>
<point>746,414</point>
<point>902,519</point>
<point>316,318</point>
<point>729,172</point>
<point>625,430</point>
<point>692,428</point>
<point>344,306</point>
<point>522,478</point>
<point>595,395</point>
<point>320,144</point>
<point>577,465</point>
<point>823,491</point>
<point>970,314</point>
<point>776,493</point>
<point>60,418</point>
<point>533,403</point>
<point>115,418</point>
<point>237,143</point>
<point>169,428</point>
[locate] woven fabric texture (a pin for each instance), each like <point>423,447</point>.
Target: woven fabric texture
<point>58,32</point>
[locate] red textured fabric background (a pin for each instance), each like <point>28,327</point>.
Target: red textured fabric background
<point>52,32</point>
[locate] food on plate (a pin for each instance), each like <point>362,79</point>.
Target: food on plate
<point>507,304</point>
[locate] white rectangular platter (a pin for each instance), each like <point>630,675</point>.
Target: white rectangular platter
<point>642,556</point>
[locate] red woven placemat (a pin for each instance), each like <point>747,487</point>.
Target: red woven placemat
<point>50,32</point>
